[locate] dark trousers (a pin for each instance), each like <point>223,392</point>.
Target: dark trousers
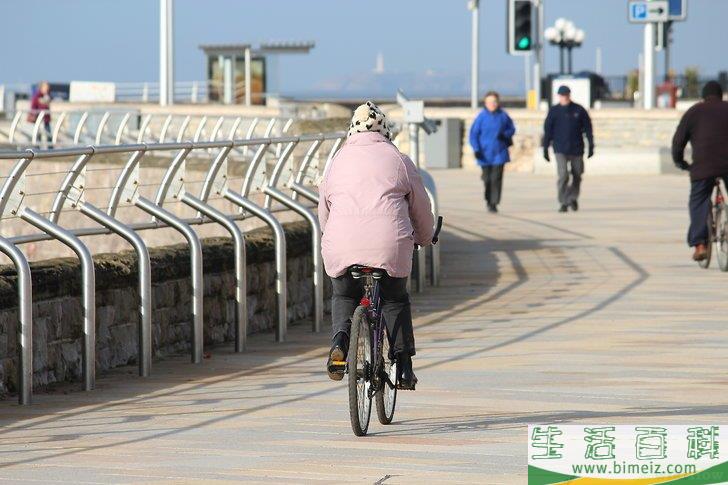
<point>493,181</point>
<point>700,192</point>
<point>347,293</point>
<point>569,167</point>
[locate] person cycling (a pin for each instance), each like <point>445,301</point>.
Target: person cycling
<point>705,126</point>
<point>373,209</point>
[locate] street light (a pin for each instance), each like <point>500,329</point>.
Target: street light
<point>474,42</point>
<point>565,35</point>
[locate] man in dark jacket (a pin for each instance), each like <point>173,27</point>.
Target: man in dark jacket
<point>566,125</point>
<point>705,126</point>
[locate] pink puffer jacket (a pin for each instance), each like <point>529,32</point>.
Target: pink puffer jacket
<point>373,207</point>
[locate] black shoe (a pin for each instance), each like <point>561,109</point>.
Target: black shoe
<point>407,377</point>
<point>336,365</point>
<point>492,209</point>
<point>563,208</point>
<point>574,206</point>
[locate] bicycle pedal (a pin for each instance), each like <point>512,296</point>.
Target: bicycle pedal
<point>338,363</point>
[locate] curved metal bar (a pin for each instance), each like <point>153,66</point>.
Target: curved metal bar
<point>241,292</point>
<point>216,128</point>
<point>14,126</point>
<point>212,173</point>
<point>196,262</point>
<point>269,127</point>
<point>122,126</point>
<point>25,314</point>
<point>145,281</point>
<point>165,128</point>
<point>183,128</point>
<point>278,170</point>
<point>36,126</point>
<point>280,243</point>
<point>234,128</point>
<point>303,167</point>
<point>318,267</point>
<point>170,175</point>
<point>334,148</point>
<point>57,128</point>
<point>88,283</point>
<point>79,128</point>
<point>434,248</point>
<point>249,134</point>
<point>123,180</point>
<point>102,126</point>
<point>143,128</point>
<point>286,126</point>
<point>200,129</point>
<point>76,170</point>
<point>15,177</point>
<point>253,167</point>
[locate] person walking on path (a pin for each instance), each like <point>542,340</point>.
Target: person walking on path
<point>566,125</point>
<point>41,102</point>
<point>373,209</point>
<point>490,136</point>
<point>705,127</point>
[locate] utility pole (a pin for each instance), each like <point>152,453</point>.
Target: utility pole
<point>166,52</point>
<point>538,58</point>
<point>648,94</point>
<point>598,66</point>
<point>475,41</point>
<point>668,41</point>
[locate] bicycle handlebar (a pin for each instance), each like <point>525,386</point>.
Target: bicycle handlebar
<point>436,235</point>
<point>438,228</point>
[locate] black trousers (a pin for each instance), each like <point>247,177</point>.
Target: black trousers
<point>700,192</point>
<point>347,293</point>
<point>493,181</point>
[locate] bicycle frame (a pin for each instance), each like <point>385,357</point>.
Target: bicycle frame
<point>372,301</point>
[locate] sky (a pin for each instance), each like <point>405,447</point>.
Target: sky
<point>425,43</point>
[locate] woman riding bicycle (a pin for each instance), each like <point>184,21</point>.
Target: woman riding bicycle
<point>373,209</point>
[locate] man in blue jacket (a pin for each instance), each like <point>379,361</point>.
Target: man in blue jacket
<point>490,136</point>
<point>566,126</point>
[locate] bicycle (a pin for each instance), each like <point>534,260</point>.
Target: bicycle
<point>372,369</point>
<point>717,230</point>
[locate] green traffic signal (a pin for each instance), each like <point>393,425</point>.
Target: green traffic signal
<point>524,43</point>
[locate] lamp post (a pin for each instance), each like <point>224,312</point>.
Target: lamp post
<point>474,44</point>
<point>566,36</point>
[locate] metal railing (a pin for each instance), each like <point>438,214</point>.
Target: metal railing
<point>123,190</point>
<point>116,127</point>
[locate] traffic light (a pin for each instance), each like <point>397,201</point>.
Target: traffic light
<point>520,27</point>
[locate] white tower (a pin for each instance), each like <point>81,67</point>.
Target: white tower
<point>379,66</point>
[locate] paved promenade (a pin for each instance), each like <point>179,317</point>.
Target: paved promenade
<point>597,316</point>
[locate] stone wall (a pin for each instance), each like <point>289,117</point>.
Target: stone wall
<point>57,311</point>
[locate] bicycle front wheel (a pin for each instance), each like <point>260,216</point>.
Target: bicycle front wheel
<point>386,396</point>
<point>721,236</point>
<point>359,363</point>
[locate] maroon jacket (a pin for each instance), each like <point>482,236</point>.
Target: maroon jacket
<point>38,103</point>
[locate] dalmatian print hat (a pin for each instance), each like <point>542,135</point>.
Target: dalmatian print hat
<point>368,117</point>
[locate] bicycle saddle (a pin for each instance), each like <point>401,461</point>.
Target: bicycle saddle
<point>358,271</point>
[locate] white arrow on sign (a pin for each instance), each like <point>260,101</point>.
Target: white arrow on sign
<point>644,11</point>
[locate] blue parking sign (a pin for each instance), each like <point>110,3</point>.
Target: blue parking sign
<point>639,11</point>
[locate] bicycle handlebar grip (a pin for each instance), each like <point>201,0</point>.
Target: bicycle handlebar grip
<point>438,228</point>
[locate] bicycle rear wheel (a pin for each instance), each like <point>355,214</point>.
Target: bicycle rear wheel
<point>721,236</point>
<point>386,396</point>
<point>711,238</point>
<point>359,363</point>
